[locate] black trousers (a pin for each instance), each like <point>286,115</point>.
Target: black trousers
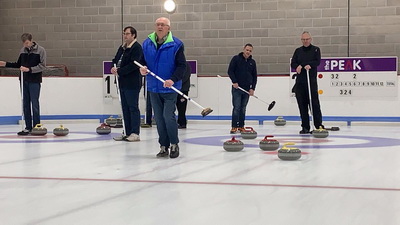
<point>149,109</point>
<point>303,100</point>
<point>181,105</point>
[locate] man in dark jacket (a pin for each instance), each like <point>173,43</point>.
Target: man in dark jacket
<point>130,82</point>
<point>307,57</point>
<point>31,61</point>
<point>181,102</point>
<point>243,73</point>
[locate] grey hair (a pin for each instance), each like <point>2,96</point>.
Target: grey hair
<point>166,19</point>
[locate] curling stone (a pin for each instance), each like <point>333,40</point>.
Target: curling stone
<point>111,121</point>
<point>61,131</point>
<point>38,130</point>
<point>287,153</point>
<point>103,129</point>
<point>233,145</point>
<point>269,144</point>
<point>320,133</point>
<point>280,121</point>
<point>248,133</point>
<point>119,123</point>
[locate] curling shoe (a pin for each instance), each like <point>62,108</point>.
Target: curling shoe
<point>133,137</point>
<point>163,152</point>
<point>120,138</point>
<point>24,132</point>
<point>174,153</point>
<point>304,131</point>
<point>234,130</point>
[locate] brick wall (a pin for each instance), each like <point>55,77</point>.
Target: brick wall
<point>83,33</point>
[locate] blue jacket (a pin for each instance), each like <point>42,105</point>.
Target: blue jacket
<point>162,62</point>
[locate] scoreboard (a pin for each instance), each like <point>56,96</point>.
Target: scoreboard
<point>351,77</point>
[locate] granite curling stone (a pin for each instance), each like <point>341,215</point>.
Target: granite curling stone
<point>269,144</point>
<point>103,129</point>
<point>61,131</point>
<point>320,133</point>
<point>111,121</point>
<point>280,121</point>
<point>119,123</point>
<point>287,153</point>
<point>39,130</point>
<point>233,145</point>
<point>248,133</point>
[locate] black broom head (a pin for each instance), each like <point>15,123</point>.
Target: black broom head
<point>271,105</point>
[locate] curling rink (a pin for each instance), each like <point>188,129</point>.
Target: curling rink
<point>351,177</point>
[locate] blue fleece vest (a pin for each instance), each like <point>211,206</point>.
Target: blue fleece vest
<point>161,62</point>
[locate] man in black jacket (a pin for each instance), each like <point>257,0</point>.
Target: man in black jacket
<point>31,61</point>
<point>181,102</point>
<point>307,57</point>
<point>130,82</point>
<point>243,73</point>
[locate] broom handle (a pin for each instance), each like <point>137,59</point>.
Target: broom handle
<point>22,99</point>
<point>172,87</point>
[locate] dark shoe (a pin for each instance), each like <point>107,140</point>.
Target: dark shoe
<point>234,130</point>
<point>304,131</point>
<point>181,127</point>
<point>24,132</point>
<point>174,151</point>
<point>163,152</point>
<point>145,125</point>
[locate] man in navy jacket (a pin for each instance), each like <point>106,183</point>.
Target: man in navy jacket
<point>243,73</point>
<point>130,82</point>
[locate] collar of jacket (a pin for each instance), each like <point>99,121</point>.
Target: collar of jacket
<point>130,45</point>
<point>153,38</point>
<point>307,48</point>
<point>241,55</point>
<point>33,47</point>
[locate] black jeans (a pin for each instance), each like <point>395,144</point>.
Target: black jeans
<point>302,97</point>
<point>130,109</point>
<point>149,109</point>
<point>181,105</point>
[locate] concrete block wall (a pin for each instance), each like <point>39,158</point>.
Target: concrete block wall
<point>83,33</point>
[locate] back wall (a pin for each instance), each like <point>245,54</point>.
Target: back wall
<point>81,34</point>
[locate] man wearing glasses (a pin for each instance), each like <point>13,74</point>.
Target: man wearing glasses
<point>130,82</point>
<point>307,58</point>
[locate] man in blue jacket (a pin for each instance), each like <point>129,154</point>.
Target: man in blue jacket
<point>130,82</point>
<point>164,55</point>
<point>243,73</point>
<point>32,62</point>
